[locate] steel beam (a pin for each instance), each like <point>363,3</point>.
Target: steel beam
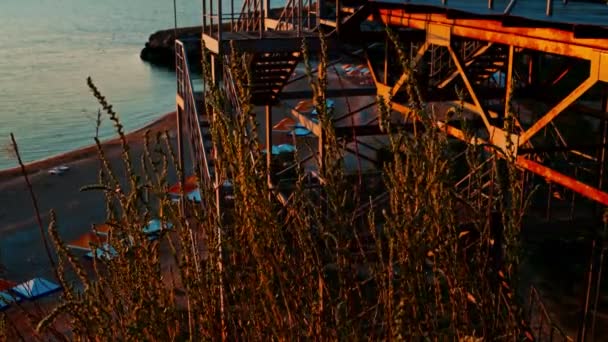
<point>557,109</point>
<point>549,40</point>
<point>563,180</point>
<point>419,54</point>
<point>467,83</point>
<point>509,82</point>
<point>307,94</point>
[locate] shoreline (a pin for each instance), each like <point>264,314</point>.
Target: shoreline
<point>165,122</point>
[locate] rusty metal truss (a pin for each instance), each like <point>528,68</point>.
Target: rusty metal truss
<point>534,86</point>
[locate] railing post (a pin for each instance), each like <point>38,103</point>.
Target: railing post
<point>549,11</point>
<point>269,143</point>
<point>219,24</point>
<point>490,4</point>
<point>320,11</point>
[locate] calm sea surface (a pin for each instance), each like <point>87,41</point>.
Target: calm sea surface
<point>49,47</point>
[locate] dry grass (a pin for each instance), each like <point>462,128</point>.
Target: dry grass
<point>313,270</point>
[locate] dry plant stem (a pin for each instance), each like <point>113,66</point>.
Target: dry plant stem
<point>35,204</point>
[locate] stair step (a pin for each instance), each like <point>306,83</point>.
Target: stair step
<point>279,57</point>
<point>280,64</point>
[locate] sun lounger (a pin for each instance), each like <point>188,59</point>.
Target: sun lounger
<point>36,288</point>
<point>84,241</point>
<point>284,125</point>
<point>156,226</point>
<point>106,252</point>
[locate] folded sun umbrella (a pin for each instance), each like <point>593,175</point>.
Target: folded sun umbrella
<point>284,125</point>
<point>304,106</point>
<point>35,288</point>
<point>189,185</point>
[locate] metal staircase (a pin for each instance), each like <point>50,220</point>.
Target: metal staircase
<point>270,73</point>
<point>195,120</point>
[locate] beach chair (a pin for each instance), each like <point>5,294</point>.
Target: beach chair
<point>105,252</point>
<point>155,226</point>
<point>36,288</point>
<point>85,241</point>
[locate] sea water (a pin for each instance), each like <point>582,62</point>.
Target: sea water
<point>49,47</point>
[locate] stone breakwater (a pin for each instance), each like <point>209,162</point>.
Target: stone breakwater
<point>160,48</point>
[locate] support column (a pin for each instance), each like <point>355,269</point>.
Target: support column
<point>180,152</point>
<point>320,11</point>
<point>269,144</point>
<point>509,81</point>
<point>604,128</point>
<point>214,71</point>
<point>386,61</point>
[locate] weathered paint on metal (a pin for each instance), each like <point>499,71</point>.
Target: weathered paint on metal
<point>467,83</point>
<point>549,40</point>
<point>557,109</point>
<point>563,180</point>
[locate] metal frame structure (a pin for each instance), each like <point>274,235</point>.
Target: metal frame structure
<point>501,61</point>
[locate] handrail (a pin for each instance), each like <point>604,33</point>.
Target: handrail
<point>185,91</point>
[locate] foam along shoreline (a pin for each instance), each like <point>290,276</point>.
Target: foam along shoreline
<point>165,122</point>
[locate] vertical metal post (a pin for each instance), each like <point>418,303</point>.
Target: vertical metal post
<point>386,60</point>
<point>509,81</point>
<point>532,67</point>
<point>299,19</point>
<point>549,10</point>
<point>320,11</point>
<point>269,143</point>
<point>338,19</point>
<point>604,127</point>
<point>232,27</point>
<point>490,4</point>
<point>214,74</point>
<point>211,23</point>
<point>219,24</point>
<point>582,332</point>
<point>204,15</point>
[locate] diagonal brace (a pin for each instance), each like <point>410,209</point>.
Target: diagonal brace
<point>405,76</point>
<point>459,65</point>
<point>558,108</point>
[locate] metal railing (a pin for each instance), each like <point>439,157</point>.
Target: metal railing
<point>192,117</point>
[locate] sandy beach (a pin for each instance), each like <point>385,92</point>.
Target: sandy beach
<point>22,254</point>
